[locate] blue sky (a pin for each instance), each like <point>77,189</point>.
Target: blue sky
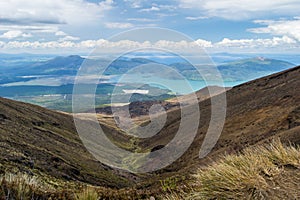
<point>218,25</point>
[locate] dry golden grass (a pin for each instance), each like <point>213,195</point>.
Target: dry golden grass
<point>87,194</point>
<point>262,172</point>
<point>21,186</point>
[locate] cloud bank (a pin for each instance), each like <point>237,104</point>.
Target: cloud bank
<point>231,45</point>
<point>245,9</point>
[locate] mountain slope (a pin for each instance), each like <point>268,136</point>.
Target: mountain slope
<point>256,112</point>
<point>35,140</point>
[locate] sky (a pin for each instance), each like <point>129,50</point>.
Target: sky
<point>78,26</point>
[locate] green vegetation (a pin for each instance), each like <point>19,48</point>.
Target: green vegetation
<point>60,97</point>
<point>169,184</point>
<point>262,172</point>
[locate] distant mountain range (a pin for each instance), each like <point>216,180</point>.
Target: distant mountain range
<point>248,69</point>
<point>241,70</point>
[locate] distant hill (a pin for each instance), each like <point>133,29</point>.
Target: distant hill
<point>56,66</point>
<point>249,69</point>
<point>242,70</point>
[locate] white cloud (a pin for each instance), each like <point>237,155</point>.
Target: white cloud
<point>52,11</point>
<point>135,3</point>
<point>15,34</point>
<point>117,25</point>
<point>69,44</point>
<point>288,28</point>
<point>39,45</point>
<point>106,4</point>
<point>159,7</point>
<point>48,16</point>
<point>2,44</point>
<point>204,43</point>
<point>153,8</point>
<point>275,43</point>
<point>243,9</point>
<point>107,46</point>
<point>30,28</point>
<point>167,7</point>
<point>68,38</point>
<point>196,18</point>
<point>60,33</point>
<point>142,19</point>
<point>170,14</point>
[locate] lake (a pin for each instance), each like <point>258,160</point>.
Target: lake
<point>178,86</point>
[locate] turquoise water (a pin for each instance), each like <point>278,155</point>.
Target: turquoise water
<point>178,86</point>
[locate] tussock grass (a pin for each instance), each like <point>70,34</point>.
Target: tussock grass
<point>262,172</point>
<point>21,186</point>
<point>256,173</point>
<point>87,194</point>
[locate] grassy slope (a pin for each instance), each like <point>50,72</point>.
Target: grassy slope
<point>256,112</point>
<point>37,140</point>
<point>261,172</point>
